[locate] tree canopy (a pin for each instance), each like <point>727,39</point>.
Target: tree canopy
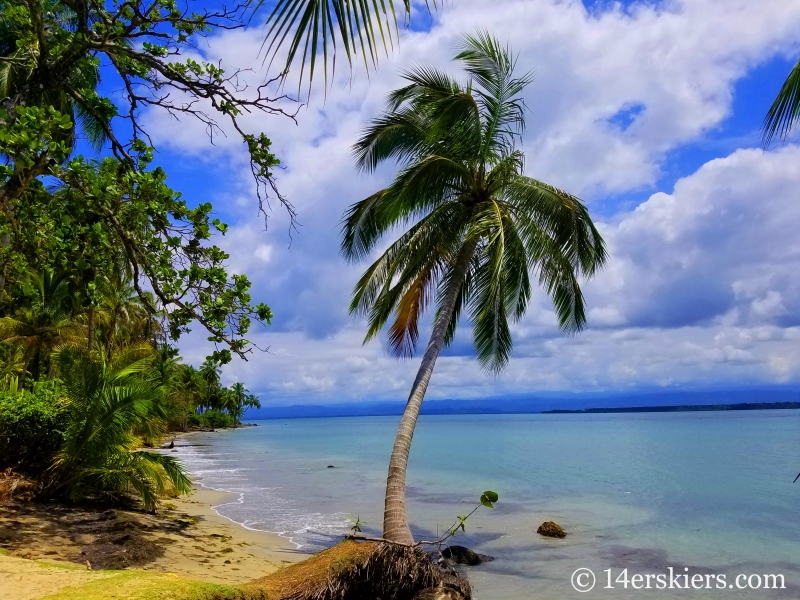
<point>63,211</point>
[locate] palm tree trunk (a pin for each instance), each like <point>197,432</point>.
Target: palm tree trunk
<point>90,327</point>
<point>395,520</point>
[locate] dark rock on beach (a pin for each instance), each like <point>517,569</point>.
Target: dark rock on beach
<point>464,556</point>
<point>551,529</point>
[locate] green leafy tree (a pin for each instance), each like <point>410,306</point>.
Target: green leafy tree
<point>186,394</point>
<point>784,113</point>
<point>17,68</point>
<point>477,229</point>
<point>50,52</point>
<point>112,409</point>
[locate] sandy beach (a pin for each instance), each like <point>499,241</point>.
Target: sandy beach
<point>68,545</point>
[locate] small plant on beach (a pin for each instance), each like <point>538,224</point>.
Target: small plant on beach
<point>357,523</point>
<point>479,232</point>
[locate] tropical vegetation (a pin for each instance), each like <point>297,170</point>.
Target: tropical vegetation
<point>478,232</point>
<point>103,266</point>
<point>81,414</point>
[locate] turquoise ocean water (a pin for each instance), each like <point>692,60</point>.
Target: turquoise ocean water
<point>709,492</point>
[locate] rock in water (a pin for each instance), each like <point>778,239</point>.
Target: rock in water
<point>438,593</point>
<point>551,529</point>
<point>464,556</point>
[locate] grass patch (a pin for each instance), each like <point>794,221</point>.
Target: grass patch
<point>59,565</point>
<point>137,585</point>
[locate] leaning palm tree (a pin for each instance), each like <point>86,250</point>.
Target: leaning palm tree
<point>477,228</point>
<point>784,113</point>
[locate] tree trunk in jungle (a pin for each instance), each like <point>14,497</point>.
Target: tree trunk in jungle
<point>395,520</point>
<point>90,327</point>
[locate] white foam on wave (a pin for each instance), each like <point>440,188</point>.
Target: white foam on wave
<point>260,508</point>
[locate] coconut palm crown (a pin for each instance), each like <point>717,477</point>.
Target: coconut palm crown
<point>477,231</point>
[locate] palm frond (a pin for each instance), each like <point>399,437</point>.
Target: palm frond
<point>112,403</point>
<point>360,25</point>
<point>562,217</point>
<point>784,113</point>
<point>476,229</point>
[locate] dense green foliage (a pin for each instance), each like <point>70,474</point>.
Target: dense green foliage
<point>32,426</point>
<point>76,415</point>
<point>62,212</point>
<point>102,264</point>
<point>112,409</point>
<point>211,418</point>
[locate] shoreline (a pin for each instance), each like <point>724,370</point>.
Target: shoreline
<point>219,497</point>
<point>232,553</point>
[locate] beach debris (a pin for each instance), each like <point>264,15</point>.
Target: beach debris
<point>16,487</point>
<point>551,529</point>
<point>115,550</point>
<point>438,593</point>
<point>464,556</point>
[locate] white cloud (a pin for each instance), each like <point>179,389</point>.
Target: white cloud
<point>701,284</point>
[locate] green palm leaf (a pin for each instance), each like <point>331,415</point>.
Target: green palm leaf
<point>784,113</point>
<point>361,26</point>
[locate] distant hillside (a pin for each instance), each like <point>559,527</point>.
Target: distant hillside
<point>683,408</point>
<point>544,403</point>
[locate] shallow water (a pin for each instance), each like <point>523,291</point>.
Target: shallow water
<point>704,493</point>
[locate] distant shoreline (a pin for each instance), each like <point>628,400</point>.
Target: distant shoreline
<point>764,399</point>
<point>483,410</point>
<point>681,408</point>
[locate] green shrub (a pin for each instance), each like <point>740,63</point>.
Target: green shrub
<point>211,418</point>
<point>32,426</point>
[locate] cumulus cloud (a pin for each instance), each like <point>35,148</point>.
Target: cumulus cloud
<point>701,284</point>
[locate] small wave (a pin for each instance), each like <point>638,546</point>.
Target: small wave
<point>260,508</point>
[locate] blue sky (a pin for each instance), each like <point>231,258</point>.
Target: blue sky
<point>649,111</point>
